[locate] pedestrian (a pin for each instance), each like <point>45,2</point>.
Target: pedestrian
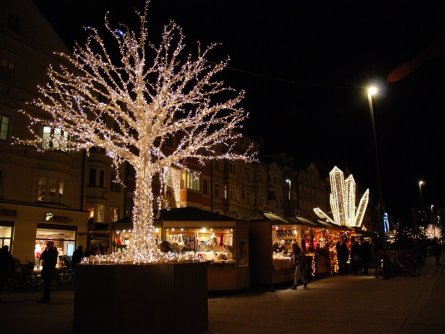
<point>355,256</point>
<point>77,257</point>
<point>299,261</point>
<point>342,257</point>
<point>364,255</point>
<point>5,266</point>
<point>437,250</point>
<point>49,258</point>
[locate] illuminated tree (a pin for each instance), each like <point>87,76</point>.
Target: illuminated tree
<point>131,102</point>
<point>433,231</point>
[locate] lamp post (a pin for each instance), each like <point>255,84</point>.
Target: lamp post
<point>421,183</point>
<point>289,187</point>
<point>372,90</point>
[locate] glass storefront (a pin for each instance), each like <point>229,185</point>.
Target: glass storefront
<point>64,241</point>
<point>6,229</point>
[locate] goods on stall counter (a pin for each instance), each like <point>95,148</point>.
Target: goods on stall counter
<point>216,257</point>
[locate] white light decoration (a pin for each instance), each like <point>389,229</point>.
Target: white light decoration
<point>433,231</point>
<point>130,103</point>
<point>342,201</point>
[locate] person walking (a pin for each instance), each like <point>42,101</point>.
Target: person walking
<point>299,262</point>
<point>49,258</point>
<point>5,266</point>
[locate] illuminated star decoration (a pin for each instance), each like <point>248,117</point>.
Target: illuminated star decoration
<point>342,200</point>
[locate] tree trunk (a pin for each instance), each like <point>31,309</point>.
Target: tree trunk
<point>143,245</point>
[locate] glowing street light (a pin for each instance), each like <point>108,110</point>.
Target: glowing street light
<point>373,90</point>
<point>421,183</point>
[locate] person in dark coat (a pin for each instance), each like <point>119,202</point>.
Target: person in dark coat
<point>49,258</point>
<point>437,249</point>
<point>364,255</point>
<point>77,256</point>
<point>5,266</point>
<point>342,256</point>
<point>299,261</point>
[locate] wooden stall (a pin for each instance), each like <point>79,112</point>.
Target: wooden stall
<point>271,238</point>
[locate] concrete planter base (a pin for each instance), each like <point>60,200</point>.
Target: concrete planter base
<point>153,298</point>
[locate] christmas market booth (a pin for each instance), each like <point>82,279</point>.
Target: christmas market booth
<point>219,240</point>
<point>271,238</point>
<point>319,243</point>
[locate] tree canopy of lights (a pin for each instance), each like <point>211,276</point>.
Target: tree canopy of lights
<point>342,201</point>
<point>433,231</point>
<point>130,105</point>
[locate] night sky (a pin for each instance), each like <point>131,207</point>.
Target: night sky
<point>305,68</point>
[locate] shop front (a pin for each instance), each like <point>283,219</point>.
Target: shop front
<point>63,236</point>
<point>26,229</point>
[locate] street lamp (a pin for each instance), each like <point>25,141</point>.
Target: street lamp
<point>287,195</point>
<point>421,183</point>
<point>289,185</point>
<point>373,90</point>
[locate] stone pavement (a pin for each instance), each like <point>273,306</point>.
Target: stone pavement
<point>337,304</point>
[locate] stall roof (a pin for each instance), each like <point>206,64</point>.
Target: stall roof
<point>178,214</point>
<point>274,218</point>
<point>191,214</point>
<point>304,221</point>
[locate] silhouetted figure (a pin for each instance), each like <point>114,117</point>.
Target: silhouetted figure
<point>49,258</point>
<point>364,255</point>
<point>5,266</point>
<point>299,261</point>
<point>437,250</point>
<point>355,256</point>
<point>342,257</point>
<point>77,256</point>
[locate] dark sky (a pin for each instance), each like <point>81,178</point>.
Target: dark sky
<point>305,66</point>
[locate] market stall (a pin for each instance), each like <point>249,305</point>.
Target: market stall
<point>271,238</point>
<point>219,240</point>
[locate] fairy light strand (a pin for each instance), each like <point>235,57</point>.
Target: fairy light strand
<point>342,201</point>
<point>151,92</point>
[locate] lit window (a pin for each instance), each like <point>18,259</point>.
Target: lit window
<point>96,212</point>
<point>114,214</point>
<point>190,181</point>
<point>4,127</point>
<point>50,189</point>
<point>54,138</point>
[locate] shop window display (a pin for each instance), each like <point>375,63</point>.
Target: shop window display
<point>64,241</point>
<point>282,239</point>
<point>121,239</point>
<point>214,244</point>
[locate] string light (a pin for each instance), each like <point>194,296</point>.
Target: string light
<point>342,201</point>
<point>132,106</point>
<point>433,231</point>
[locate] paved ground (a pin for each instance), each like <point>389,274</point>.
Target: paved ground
<point>338,304</point>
